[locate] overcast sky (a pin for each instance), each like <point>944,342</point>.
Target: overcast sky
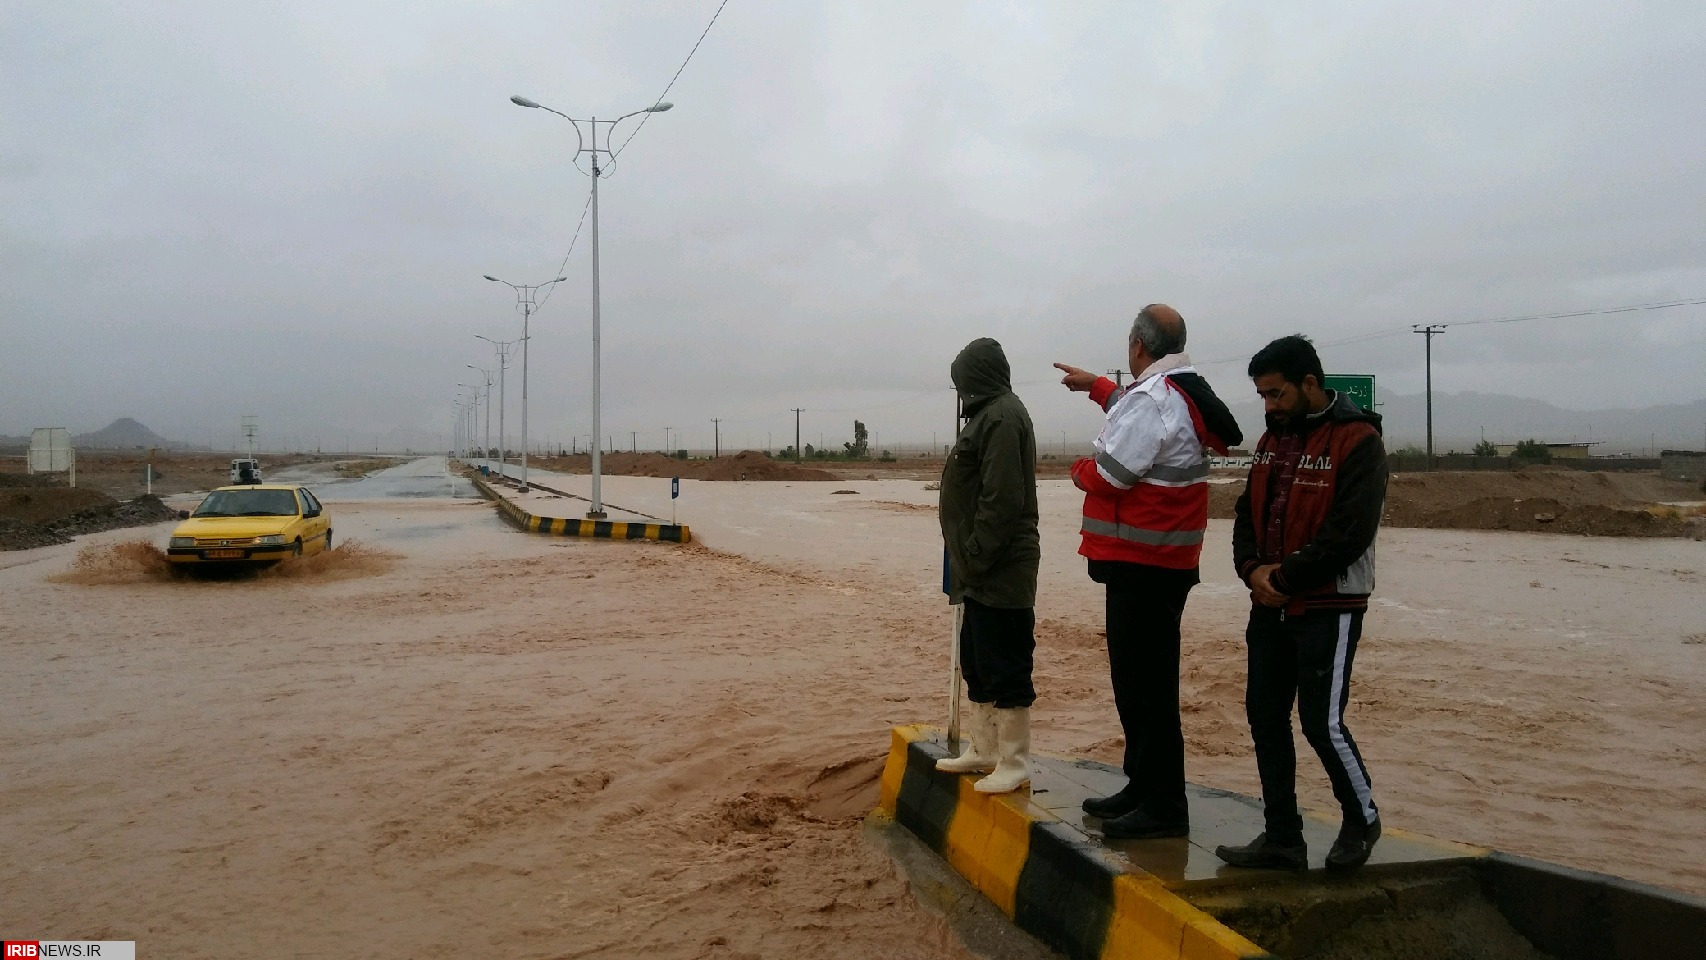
<point>285,209</point>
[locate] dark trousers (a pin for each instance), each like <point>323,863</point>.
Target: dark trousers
<point>1144,607</point>
<point>1304,658</point>
<point>996,646</point>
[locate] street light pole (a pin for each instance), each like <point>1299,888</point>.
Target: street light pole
<point>487,452</point>
<point>525,300</point>
<point>597,511</point>
<point>503,348</point>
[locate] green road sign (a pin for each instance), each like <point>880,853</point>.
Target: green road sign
<point>1360,386</point>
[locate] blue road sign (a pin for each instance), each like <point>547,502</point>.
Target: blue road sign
<point>674,487</point>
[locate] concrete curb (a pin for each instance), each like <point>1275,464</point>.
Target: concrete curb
<point>1071,894</point>
<point>560,527</point>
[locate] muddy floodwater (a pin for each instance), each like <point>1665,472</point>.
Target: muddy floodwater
<point>605,749</point>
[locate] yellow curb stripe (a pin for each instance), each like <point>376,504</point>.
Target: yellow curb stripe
<point>560,526</point>
<point>989,839</point>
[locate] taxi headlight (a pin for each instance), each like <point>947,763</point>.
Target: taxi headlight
<point>271,539</point>
<point>183,541</point>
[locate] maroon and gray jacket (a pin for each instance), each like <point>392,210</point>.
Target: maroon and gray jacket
<point>1325,546</point>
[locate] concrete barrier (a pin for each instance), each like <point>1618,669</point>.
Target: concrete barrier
<point>1071,894</point>
<point>561,527</point>
<point>1046,866</point>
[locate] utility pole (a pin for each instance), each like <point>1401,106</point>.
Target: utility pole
<point>666,450</point>
<point>716,438</point>
<point>1119,377</point>
<point>1428,331</point>
<point>796,434</point>
<point>633,441</point>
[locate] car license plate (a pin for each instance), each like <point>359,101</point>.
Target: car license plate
<point>223,554</point>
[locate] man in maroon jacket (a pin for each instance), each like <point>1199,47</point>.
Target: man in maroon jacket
<point>1303,540</point>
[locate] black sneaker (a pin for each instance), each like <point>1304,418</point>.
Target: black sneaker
<point>1138,825</point>
<point>1111,806</point>
<point>1264,854</point>
<point>1353,846</point>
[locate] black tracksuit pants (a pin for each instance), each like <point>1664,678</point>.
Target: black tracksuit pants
<point>996,648</point>
<point>1144,607</point>
<point>1304,658</point>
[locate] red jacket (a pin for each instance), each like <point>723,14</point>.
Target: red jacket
<point>1331,516</point>
<point>1159,519</point>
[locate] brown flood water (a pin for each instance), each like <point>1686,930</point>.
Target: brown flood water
<point>559,748</point>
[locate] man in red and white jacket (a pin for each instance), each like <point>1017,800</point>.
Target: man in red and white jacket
<point>1145,512</point>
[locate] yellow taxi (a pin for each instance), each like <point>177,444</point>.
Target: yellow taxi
<point>252,523</point>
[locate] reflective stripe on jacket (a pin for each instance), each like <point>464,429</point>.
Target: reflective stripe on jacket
<point>1146,489</point>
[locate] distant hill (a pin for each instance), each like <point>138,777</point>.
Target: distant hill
<point>122,434</point>
<point>1461,418</point>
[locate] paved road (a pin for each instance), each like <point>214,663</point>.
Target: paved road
<point>427,477</point>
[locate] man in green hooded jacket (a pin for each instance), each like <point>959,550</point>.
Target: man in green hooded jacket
<point>989,524</point>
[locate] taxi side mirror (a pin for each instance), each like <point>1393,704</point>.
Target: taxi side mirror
<point>183,514</point>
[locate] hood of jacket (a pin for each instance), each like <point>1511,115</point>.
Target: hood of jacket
<point>1217,419</point>
<point>1340,408</point>
<point>981,374</point>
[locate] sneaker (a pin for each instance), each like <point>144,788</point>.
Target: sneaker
<point>1353,846</point>
<point>1265,854</point>
<point>1111,806</point>
<point>1138,825</point>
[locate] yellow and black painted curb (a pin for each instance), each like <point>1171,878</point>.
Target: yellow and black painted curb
<point>1066,891</point>
<point>1089,903</point>
<point>560,527</point>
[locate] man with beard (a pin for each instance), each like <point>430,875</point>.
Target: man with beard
<point>1303,540</point>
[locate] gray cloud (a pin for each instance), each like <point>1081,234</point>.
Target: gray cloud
<point>286,210</point>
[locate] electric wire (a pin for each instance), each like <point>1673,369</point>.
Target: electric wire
<point>643,118</point>
<point>665,93</point>
<point>565,264</point>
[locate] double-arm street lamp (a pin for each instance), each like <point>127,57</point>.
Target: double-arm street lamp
<point>503,347</point>
<point>487,450</point>
<point>526,302</point>
<point>597,511</point>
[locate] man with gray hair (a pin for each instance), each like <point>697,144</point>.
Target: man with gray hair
<point>1145,512</point>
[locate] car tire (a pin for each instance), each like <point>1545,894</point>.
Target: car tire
<point>296,550</point>
<point>328,538</point>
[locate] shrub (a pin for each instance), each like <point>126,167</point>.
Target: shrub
<point>1532,451</point>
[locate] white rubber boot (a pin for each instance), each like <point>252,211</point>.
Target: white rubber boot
<point>978,755</point>
<point>1013,736</point>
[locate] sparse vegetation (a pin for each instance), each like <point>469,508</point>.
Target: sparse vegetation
<point>1486,448</point>
<point>1532,451</point>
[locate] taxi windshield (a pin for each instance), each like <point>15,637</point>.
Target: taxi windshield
<point>248,503</point>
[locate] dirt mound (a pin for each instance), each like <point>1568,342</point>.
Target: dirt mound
<point>49,504</point>
<point>18,535</point>
<point>1556,501</point>
<point>745,465</point>
<point>1546,515</point>
<point>42,517</point>
<point>30,480</point>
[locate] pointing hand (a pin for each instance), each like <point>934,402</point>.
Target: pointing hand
<point>1076,380</point>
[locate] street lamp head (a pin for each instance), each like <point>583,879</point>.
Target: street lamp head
<point>492,278</point>
<point>559,279</point>
<point>522,102</point>
<point>655,108</point>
